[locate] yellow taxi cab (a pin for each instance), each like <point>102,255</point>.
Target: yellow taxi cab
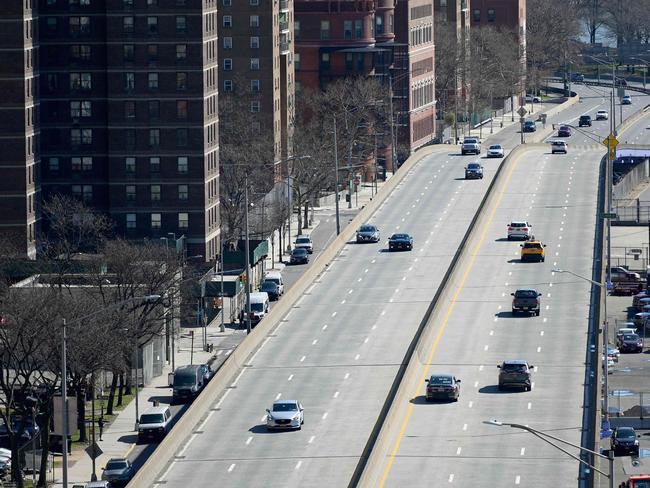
<point>532,250</point>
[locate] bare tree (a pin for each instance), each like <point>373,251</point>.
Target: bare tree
<point>627,20</point>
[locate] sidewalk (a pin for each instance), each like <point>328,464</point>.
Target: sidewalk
<point>119,437</point>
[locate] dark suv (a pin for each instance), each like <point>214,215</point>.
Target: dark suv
<point>188,383</point>
<point>624,439</point>
<point>525,300</point>
<point>585,120</point>
<point>515,373</point>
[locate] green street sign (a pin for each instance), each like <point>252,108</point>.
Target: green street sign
<point>609,215</point>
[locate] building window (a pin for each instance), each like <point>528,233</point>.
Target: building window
<point>129,138</point>
<point>152,25</point>
<point>81,163</point>
<point>476,15</point>
<point>227,64</point>
<point>254,21</point>
<point>227,21</point>
<point>80,81</point>
<point>154,165</point>
<point>349,61</point>
<point>183,221</point>
<point>181,164</point>
<point>129,109</point>
<point>87,193</point>
<point>79,25</point>
<point>181,137</point>
<point>128,25</point>
<point>324,29</point>
<point>379,24</point>
<point>181,81</point>
<point>154,137</point>
<point>130,221</point>
<point>80,52</point>
<point>81,108</point>
<point>81,137</point>
<point>360,61</point>
<point>227,42</point>
<point>155,193</point>
<point>491,15</point>
<point>128,52</point>
<point>129,81</point>
<point>255,106</point>
<point>155,221</point>
<point>154,109</point>
<point>254,3</point>
<point>227,85</point>
<point>255,64</point>
<point>181,51</point>
<point>181,109</point>
<point>152,81</point>
<point>127,3</point>
<point>296,29</point>
<point>130,193</point>
<point>358,28</point>
<point>129,165</point>
<point>347,29</point>
<point>183,192</point>
<point>53,164</point>
<point>325,61</point>
<point>254,42</point>
<point>255,85</point>
<point>51,24</point>
<point>76,191</point>
<point>296,61</point>
<point>227,3</point>
<point>181,24</point>
<point>152,52</point>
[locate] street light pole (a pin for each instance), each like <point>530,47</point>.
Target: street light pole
<point>544,436</point>
<point>336,184</point>
<point>247,259</point>
<point>64,398</point>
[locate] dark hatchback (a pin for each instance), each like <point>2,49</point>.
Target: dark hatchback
<point>529,126</point>
<point>299,256</point>
<point>272,288</point>
<point>400,242</point>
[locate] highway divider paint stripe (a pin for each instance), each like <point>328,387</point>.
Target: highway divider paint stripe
<point>158,462</point>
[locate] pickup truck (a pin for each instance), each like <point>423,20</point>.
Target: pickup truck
<point>471,145</point>
<point>526,300</point>
<point>619,273</point>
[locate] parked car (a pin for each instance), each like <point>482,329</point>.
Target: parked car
<point>626,100</point>
<point>564,131</point>
<point>495,151</point>
<point>533,98</point>
<point>188,383</point>
<point>619,273</point>
<point>445,386</point>
<point>532,251</point>
<point>473,171</point>
<point>285,414</point>
<point>559,147</point>
<point>577,77</point>
<point>259,306</point>
<point>399,242</point>
<point>584,121</point>
<point>515,373</point>
<point>118,471</point>
<point>276,277</point>
<point>629,343</point>
<point>207,372</point>
<point>642,295</point>
<point>624,440</point>
<point>519,229</point>
<point>299,256</point>
<point>368,233</point>
<point>526,300</point>
<point>304,242</point>
<point>530,126</point>
<point>271,288</point>
<point>471,145</point>
<point>602,115</point>
<point>154,423</point>
<point>621,81</point>
<point>625,330</point>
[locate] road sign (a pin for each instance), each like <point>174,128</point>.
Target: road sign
<point>94,451</point>
<point>522,111</point>
<point>610,141</point>
<point>610,215</point>
<point>357,182</point>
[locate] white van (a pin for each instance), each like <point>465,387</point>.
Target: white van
<point>276,277</point>
<point>154,423</point>
<point>259,306</point>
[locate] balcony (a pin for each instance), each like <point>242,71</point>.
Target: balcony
<point>284,47</point>
<point>284,26</point>
<point>284,5</point>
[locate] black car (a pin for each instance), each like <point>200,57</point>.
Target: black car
<point>473,171</point>
<point>577,77</point>
<point>118,471</point>
<point>398,242</point>
<point>272,288</point>
<point>630,343</point>
<point>624,440</point>
<point>529,126</point>
<point>584,121</point>
<point>515,373</point>
<point>564,131</point>
<point>526,300</point>
<point>445,386</point>
<point>188,383</point>
<point>621,82</point>
<point>368,233</point>
<point>299,256</point>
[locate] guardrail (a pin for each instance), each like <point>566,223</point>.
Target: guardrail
<point>553,79</point>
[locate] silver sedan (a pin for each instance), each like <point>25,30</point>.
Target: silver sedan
<point>495,151</point>
<point>285,414</point>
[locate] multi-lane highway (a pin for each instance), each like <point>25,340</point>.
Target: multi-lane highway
<point>338,349</point>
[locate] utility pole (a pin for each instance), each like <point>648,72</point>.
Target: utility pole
<point>247,259</point>
<point>222,328</point>
<point>392,122</point>
<point>336,178</point>
<point>350,176</point>
<point>64,398</point>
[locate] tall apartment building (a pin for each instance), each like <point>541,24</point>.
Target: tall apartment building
<point>413,73</point>
<point>129,119</point>
<point>256,48</point>
<point>19,131</point>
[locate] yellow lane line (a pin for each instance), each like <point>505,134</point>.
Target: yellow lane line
<point>443,324</point>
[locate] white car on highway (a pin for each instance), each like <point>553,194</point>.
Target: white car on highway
<point>602,115</point>
<point>519,229</point>
<point>285,414</point>
<point>495,151</point>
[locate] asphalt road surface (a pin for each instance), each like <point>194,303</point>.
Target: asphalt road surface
<point>338,349</point>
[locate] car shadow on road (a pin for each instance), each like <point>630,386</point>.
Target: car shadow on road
<point>507,315</point>
<point>503,239</point>
<point>261,429</point>
<point>422,400</point>
<point>494,390</point>
<point>129,439</point>
<point>166,399</point>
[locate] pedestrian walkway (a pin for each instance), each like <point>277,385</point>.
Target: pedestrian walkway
<point>119,436</point>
